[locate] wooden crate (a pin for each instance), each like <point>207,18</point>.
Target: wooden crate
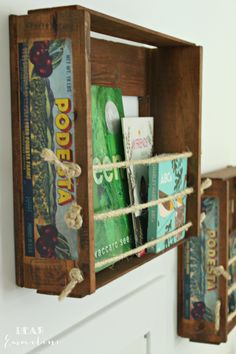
<point>224,189</point>
<point>167,80</point>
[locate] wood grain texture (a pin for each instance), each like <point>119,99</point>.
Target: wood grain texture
<point>109,274</point>
<point>232,224</point>
<point>125,266</point>
<point>168,84</point>
<point>112,26</point>
<point>17,154</point>
<point>231,325</point>
<point>76,26</point>
<point>222,192</point>
<point>83,137</point>
<point>176,105</point>
<point>223,173</point>
<point>196,332</point>
<point>119,65</point>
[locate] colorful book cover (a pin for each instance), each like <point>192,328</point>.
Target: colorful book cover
<point>47,121</point>
<point>138,144</point>
<point>166,178</point>
<point>201,256</point>
<point>232,270</point>
<point>113,236</point>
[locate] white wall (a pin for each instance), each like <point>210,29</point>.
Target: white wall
<point>143,302</point>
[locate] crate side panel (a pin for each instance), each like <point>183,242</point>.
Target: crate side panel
<point>232,204</point>
<point>232,324</point>
<point>202,331</point>
<point>223,192</point>
<point>176,106</point>
<point>82,95</point>
<point>75,26</point>
<point>17,154</point>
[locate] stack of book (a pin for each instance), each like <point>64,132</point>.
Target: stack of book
<point>118,138</point>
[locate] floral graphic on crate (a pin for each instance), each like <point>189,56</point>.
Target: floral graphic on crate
<point>46,56</point>
<point>201,311</point>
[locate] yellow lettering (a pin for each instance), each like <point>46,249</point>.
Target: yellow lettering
<point>212,253</point>
<point>63,104</point>
<point>211,233</point>
<point>211,262</point>
<point>63,122</point>
<point>64,139</point>
<point>66,183</point>
<point>64,197</point>
<point>64,155</point>
<point>211,243</point>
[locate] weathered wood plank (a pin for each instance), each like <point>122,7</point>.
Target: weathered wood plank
<point>112,26</point>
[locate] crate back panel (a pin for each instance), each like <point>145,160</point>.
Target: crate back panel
<point>74,25</point>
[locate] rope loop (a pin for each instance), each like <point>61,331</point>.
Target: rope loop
<point>231,316</point>
<point>220,270</point>
<point>128,210</point>
<point>70,169</point>
<point>217,316</point>
<point>202,217</point>
<point>207,183</point>
<point>76,276</point>
<point>232,260</point>
<point>73,217</point>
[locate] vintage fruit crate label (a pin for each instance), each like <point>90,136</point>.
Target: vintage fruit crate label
<point>200,259</point>
<point>113,236</point>
<point>47,121</point>
<point>167,178</point>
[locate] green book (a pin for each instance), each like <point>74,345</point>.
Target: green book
<point>113,236</point>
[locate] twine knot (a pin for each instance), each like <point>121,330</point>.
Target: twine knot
<point>207,183</point>
<point>217,315</point>
<point>220,270</point>
<point>73,217</point>
<point>70,169</point>
<point>232,260</point>
<point>76,276</point>
<point>202,217</point>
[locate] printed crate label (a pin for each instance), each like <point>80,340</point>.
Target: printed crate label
<point>47,121</point>
<point>201,257</point>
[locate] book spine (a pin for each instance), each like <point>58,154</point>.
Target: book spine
<point>153,212</point>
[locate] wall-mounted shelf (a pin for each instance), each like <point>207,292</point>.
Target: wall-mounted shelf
<point>216,247</point>
<point>167,80</point>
